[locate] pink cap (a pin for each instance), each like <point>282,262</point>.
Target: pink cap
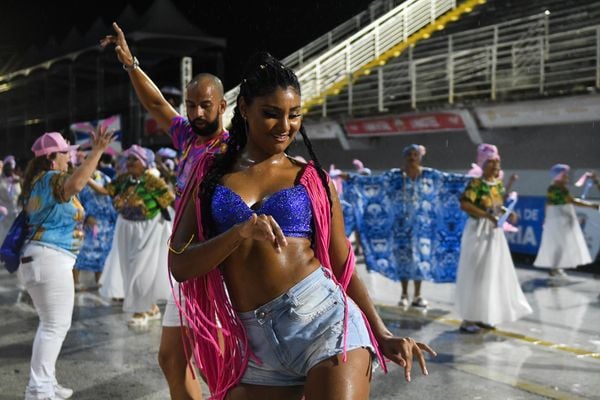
<point>51,142</point>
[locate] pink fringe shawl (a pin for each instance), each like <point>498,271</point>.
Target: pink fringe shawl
<point>207,303</point>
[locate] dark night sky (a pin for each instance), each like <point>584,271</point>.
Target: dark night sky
<point>278,26</point>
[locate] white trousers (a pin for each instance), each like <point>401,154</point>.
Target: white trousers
<point>49,281</point>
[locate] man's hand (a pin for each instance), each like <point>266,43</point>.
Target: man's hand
<point>121,48</point>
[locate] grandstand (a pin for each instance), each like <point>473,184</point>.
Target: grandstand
<point>523,55</point>
<point>534,66</point>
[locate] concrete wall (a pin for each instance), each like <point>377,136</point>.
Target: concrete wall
<point>527,151</point>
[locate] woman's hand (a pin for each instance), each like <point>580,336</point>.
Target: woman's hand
<point>265,228</point>
<point>101,138</point>
<point>493,219</point>
<point>121,48</point>
<point>513,218</point>
<point>403,350</point>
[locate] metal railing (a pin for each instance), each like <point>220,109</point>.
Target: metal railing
<point>325,42</point>
<point>514,60</point>
<point>345,58</point>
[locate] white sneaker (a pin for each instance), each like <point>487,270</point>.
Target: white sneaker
<point>558,272</point>
<point>403,301</point>
<point>62,392</point>
<point>419,302</point>
<point>138,321</point>
<point>36,396</point>
<point>153,315</point>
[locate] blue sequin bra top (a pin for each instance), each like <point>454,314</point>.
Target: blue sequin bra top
<point>290,207</point>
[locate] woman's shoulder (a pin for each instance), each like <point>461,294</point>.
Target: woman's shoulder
<point>48,185</point>
<point>298,162</point>
<point>475,182</point>
<point>46,178</point>
<point>298,167</point>
<point>152,178</point>
<point>556,187</point>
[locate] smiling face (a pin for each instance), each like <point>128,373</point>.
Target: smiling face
<point>273,121</point>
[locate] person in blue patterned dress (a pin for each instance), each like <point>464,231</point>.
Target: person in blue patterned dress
<point>418,188</point>
<point>410,222</point>
<point>99,226</point>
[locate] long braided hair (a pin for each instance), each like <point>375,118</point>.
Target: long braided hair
<point>263,75</point>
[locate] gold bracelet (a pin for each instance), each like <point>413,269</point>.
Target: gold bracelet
<point>172,250</point>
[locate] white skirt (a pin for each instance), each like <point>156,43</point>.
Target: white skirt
<point>563,244</point>
<point>136,267</point>
<point>487,287</point>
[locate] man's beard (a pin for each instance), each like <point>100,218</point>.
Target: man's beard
<point>209,129</point>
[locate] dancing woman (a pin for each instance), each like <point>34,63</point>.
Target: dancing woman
<point>260,246</point>
<point>56,233</point>
<point>487,287</point>
<point>563,245</point>
<point>134,268</point>
<point>99,226</point>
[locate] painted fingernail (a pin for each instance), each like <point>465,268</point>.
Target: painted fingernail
<point>426,372</point>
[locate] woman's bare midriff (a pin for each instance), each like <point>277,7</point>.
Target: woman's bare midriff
<point>256,274</point>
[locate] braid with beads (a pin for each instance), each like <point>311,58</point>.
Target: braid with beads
<point>262,76</point>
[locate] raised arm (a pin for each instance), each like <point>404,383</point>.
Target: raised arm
<point>147,92</point>
<point>400,350</point>
<point>513,178</point>
<point>97,187</point>
<point>583,203</point>
<point>80,177</point>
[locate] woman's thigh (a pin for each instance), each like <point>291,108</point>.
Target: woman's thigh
<point>255,392</point>
<point>333,379</point>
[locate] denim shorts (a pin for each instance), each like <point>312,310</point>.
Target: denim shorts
<point>302,327</point>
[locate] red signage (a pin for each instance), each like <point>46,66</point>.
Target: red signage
<point>404,124</point>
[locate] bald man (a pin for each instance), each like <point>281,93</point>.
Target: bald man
<point>198,134</point>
